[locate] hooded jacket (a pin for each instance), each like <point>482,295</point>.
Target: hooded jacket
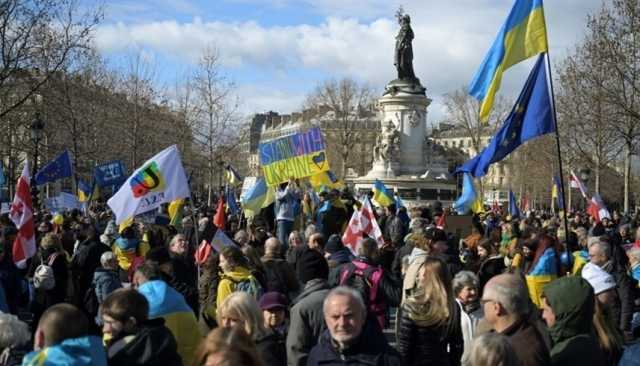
<point>73,352</point>
<point>307,321</point>
<point>573,338</point>
<point>167,303</point>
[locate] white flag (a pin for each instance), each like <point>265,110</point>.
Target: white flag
<point>161,179</point>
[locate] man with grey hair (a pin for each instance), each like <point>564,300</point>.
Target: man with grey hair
<point>600,254</point>
<point>506,306</point>
<point>350,339</point>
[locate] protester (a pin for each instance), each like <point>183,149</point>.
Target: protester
<point>307,320</point>
<point>227,346</point>
<point>286,196</point>
<point>161,257</point>
<point>126,248</point>
<point>236,276</point>
<point>336,254</point>
<point>491,349</point>
<point>610,337</point>
<point>274,312</point>
<point>167,303</point>
<point>601,255</point>
<point>207,292</point>
<point>184,268</point>
<point>241,310</point>
<point>106,278</point>
<point>279,274</point>
<point>568,307</point>
<point>49,275</point>
<point>316,241</point>
<point>491,261</point>
<point>134,339</point>
<point>374,284</point>
<point>429,330</point>
<point>62,338</point>
<point>15,340</point>
<point>506,307</point>
<point>85,261</point>
<point>465,290</point>
<point>349,339</point>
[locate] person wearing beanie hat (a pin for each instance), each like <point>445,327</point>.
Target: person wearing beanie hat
<point>312,265</point>
<point>337,255</point>
<point>307,318</point>
<point>274,310</point>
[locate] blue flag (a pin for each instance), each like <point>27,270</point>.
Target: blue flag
<point>531,116</point>
<point>59,168</point>
<point>464,203</point>
<point>230,199</point>
<point>514,211</point>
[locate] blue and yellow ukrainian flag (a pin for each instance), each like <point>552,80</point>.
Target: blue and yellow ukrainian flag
<point>381,195</point>
<point>544,271</point>
<point>556,193</point>
<point>167,303</point>
<point>523,35</point>
<point>257,197</point>
<point>84,191</point>
<point>232,175</point>
<point>325,181</point>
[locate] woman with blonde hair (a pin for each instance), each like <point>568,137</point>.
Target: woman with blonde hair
<point>241,310</point>
<point>227,347</point>
<point>429,331</point>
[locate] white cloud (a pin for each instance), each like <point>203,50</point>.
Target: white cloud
<point>451,40</point>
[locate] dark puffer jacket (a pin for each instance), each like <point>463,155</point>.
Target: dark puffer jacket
<point>432,345</point>
<point>271,349</point>
<point>371,349</point>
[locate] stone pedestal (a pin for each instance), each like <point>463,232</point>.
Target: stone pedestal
<point>416,169</point>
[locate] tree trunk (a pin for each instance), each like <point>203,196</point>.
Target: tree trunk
<point>627,174</point>
<point>597,178</point>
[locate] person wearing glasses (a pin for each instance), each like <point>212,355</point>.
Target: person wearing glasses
<point>506,306</point>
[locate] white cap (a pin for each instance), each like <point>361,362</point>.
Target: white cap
<point>598,278</point>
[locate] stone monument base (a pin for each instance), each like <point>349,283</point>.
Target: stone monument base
<point>413,190</point>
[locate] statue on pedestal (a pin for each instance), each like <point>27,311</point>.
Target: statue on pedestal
<point>387,147</point>
<point>403,59</point>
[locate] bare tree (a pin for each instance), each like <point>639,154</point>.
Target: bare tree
<point>615,30</point>
<point>463,111</point>
<point>346,107</point>
<point>37,38</point>
<point>216,123</point>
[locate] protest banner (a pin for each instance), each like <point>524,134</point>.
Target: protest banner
<point>111,173</point>
<point>298,155</point>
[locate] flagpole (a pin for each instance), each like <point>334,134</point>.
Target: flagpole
<point>555,122</point>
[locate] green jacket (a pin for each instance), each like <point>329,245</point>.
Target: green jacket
<point>573,336</point>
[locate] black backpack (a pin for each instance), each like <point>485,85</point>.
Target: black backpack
<point>90,301</point>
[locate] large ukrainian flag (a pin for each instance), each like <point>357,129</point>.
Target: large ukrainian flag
<point>523,35</point>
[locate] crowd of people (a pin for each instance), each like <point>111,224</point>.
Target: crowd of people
<point>288,291</point>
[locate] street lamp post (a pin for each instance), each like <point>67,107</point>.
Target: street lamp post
<point>36,135</point>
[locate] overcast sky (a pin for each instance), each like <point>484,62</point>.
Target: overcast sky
<point>276,51</point>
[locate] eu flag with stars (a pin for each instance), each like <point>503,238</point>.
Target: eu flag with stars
<point>532,116</point>
<point>59,168</point>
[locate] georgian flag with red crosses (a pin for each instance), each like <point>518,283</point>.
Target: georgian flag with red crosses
<point>21,213</point>
<point>362,222</point>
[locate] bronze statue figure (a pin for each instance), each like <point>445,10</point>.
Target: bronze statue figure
<point>404,50</point>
